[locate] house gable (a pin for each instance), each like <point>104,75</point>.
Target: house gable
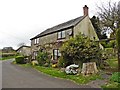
<point>24,50</point>
<point>85,27</point>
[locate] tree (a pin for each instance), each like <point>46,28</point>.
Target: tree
<point>80,49</point>
<point>8,50</point>
<point>109,17</point>
<point>96,24</point>
<point>118,45</point>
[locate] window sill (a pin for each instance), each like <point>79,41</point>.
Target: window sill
<point>60,38</point>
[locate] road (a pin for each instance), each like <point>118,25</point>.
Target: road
<point>14,76</point>
<point>0,74</point>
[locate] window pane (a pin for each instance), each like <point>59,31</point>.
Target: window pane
<point>37,40</point>
<point>59,54</point>
<point>35,53</point>
<point>63,34</point>
<point>55,52</point>
<point>59,34</point>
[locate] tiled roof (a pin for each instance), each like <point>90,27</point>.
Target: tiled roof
<point>59,27</point>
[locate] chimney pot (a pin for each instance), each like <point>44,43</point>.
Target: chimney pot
<point>85,10</point>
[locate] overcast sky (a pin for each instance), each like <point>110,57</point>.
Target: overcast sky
<point>21,20</point>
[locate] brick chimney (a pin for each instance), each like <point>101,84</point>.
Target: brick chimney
<point>85,10</point>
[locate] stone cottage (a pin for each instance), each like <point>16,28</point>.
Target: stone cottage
<point>24,50</point>
<point>52,38</point>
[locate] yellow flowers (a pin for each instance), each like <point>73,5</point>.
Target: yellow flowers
<point>54,65</point>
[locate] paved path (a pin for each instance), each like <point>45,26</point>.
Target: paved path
<point>14,76</point>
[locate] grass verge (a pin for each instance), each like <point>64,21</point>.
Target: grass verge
<point>55,72</point>
<point>114,82</point>
<point>7,58</point>
<point>80,79</point>
<point>111,85</point>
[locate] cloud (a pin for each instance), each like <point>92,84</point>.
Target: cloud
<point>21,20</point>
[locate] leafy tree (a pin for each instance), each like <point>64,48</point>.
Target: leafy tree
<point>109,44</point>
<point>80,49</point>
<point>96,24</point>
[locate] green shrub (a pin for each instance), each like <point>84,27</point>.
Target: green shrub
<point>43,58</point>
<point>20,59</point>
<point>18,54</point>
<point>115,77</point>
<point>80,49</point>
<point>113,63</point>
<point>108,44</point>
<point>109,53</point>
<point>61,62</point>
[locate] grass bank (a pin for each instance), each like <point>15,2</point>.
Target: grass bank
<point>55,72</point>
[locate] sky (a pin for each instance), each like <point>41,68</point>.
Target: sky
<point>21,20</point>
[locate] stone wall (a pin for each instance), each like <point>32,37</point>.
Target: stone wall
<point>26,51</point>
<point>49,42</point>
<point>86,28</point>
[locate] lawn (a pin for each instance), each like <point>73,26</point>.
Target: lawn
<point>113,63</point>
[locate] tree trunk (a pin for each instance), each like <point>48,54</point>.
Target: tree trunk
<point>89,68</point>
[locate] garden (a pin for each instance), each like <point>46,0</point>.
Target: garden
<point>77,51</point>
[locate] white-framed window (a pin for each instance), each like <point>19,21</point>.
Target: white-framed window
<point>35,53</point>
<point>56,54</point>
<point>36,40</point>
<point>61,35</point>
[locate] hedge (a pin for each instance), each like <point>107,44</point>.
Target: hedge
<point>8,54</point>
<point>20,59</point>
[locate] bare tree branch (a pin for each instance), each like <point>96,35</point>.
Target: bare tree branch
<point>109,15</point>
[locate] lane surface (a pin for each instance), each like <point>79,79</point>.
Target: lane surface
<point>0,74</point>
<point>14,76</point>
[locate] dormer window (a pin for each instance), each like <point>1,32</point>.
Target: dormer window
<point>61,34</point>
